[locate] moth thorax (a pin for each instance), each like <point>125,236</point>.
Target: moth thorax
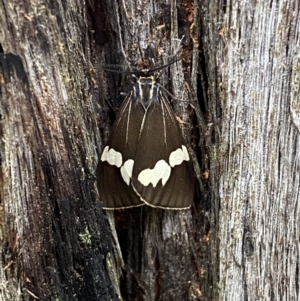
<point>146,90</point>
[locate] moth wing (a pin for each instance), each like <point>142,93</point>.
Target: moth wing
<point>154,179</point>
<point>115,167</point>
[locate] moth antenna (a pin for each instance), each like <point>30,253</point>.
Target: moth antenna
<point>168,92</point>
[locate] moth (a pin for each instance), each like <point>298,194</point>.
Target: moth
<point>145,161</point>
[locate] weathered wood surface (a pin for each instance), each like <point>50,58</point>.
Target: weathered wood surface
<point>255,47</point>
<point>54,233</point>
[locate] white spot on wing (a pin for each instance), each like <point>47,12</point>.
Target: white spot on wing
<point>178,156</point>
<point>111,156</point>
<point>126,171</point>
<point>161,171</point>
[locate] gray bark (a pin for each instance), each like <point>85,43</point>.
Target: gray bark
<point>254,46</point>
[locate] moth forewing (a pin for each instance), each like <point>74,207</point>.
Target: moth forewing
<point>162,174</point>
<point>114,180</point>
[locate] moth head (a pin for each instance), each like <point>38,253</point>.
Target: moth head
<point>145,90</point>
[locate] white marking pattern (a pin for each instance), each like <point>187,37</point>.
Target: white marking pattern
<point>178,156</point>
<point>112,157</point>
<point>162,170</point>
<point>126,171</point>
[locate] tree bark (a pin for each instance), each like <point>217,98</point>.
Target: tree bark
<point>55,237</point>
<point>253,69</point>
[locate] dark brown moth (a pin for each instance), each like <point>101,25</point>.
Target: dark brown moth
<point>145,161</point>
